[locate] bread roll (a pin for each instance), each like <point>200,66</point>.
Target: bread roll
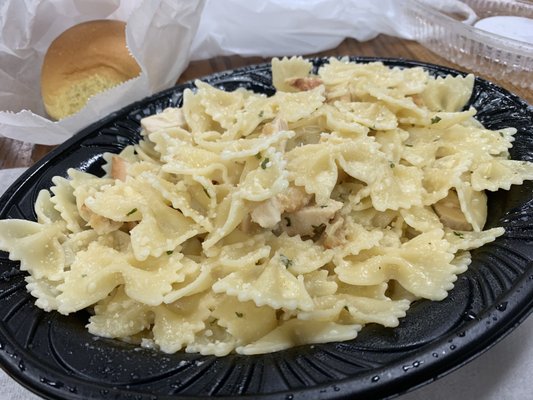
<point>83,61</point>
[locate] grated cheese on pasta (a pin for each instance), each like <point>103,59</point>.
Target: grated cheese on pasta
<point>252,224</point>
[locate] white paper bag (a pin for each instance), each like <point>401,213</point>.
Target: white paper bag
<point>158,33</point>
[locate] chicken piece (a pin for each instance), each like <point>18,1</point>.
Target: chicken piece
<point>335,233</point>
<point>169,118</point>
<point>304,84</point>
<point>449,211</point>
<point>275,126</point>
<point>309,220</point>
<point>268,213</point>
<point>293,199</point>
<point>119,168</point>
<point>103,225</point>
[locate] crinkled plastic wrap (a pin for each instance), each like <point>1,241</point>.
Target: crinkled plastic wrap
<point>163,36</point>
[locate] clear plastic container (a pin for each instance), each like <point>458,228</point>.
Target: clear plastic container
<point>493,55</point>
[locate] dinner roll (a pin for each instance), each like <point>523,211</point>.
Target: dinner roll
<point>83,61</point>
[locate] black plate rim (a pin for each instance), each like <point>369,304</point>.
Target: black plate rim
<point>484,338</point>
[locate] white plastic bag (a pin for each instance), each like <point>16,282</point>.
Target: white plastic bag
<point>279,27</point>
<point>160,35</point>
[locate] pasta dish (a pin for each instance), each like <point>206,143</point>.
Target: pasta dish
<point>252,224</point>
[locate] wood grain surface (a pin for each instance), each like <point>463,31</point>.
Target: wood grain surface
<point>14,153</point>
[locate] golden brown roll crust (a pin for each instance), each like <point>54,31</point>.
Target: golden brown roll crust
<point>83,61</point>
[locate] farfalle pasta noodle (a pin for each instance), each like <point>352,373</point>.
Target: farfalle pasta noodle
<point>252,224</point>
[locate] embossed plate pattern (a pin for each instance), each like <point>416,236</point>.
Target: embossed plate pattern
<point>54,355</point>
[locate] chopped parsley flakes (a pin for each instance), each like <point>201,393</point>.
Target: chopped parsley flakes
<point>265,162</point>
<point>436,119</point>
<point>132,211</point>
<point>285,260</point>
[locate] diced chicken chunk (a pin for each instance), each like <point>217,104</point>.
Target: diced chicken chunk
<point>268,213</point>
<point>310,219</point>
<point>170,117</point>
<point>335,234</point>
<point>119,168</point>
<point>293,199</point>
<point>450,213</point>
<point>304,84</point>
<point>275,126</point>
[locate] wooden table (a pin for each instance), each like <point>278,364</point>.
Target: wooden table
<point>14,153</point>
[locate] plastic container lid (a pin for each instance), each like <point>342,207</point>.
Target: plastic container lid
<point>501,57</point>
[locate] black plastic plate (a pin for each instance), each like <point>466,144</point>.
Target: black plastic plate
<point>55,356</point>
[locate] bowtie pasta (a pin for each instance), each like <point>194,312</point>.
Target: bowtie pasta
<point>252,224</point>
